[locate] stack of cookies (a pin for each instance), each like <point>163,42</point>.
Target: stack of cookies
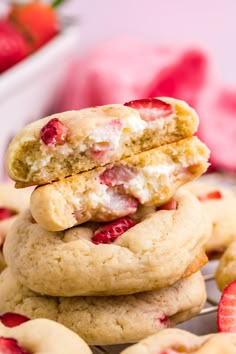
<point>110,247</point>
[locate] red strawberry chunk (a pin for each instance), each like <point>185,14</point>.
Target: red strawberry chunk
<point>6,213</point>
<point>11,346</point>
<point>211,195</point>
<point>110,232</point>
<point>226,316</point>
<point>54,133</point>
<point>170,205</point>
<point>117,175</point>
<point>11,319</point>
<point>151,108</point>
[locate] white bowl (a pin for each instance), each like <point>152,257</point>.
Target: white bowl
<point>28,90</point>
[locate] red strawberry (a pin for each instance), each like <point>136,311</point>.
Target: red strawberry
<point>11,319</point>
<point>11,346</point>
<point>54,133</point>
<point>117,175</point>
<point>36,20</point>
<point>13,47</point>
<point>226,316</point>
<point>110,232</point>
<point>170,205</point>
<point>151,108</point>
<point>211,195</point>
<point>6,213</point>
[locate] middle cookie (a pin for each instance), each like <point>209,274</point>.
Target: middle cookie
<point>152,250</point>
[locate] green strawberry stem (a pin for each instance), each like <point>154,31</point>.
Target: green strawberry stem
<point>57,3</point>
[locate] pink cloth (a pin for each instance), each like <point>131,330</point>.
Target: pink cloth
<point>121,70</point>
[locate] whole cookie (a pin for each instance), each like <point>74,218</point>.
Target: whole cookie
<point>109,320</point>
<point>40,336</point>
<point>151,251</point>
<point>12,202</point>
<point>226,270</point>
<point>174,341</point>
<point>71,142</point>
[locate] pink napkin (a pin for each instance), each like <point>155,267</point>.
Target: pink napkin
<point>121,70</point>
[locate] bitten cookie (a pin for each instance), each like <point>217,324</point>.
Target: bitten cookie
<point>220,204</point>
<point>109,320</point>
<point>111,192</point>
<point>226,269</point>
<point>71,142</point>
<point>12,202</point>
<point>152,250</point>
<point>174,341</point>
<point>39,336</point>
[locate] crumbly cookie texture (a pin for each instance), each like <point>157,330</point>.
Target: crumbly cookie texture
<point>111,192</point>
<point>174,341</point>
<point>226,269</point>
<point>92,137</point>
<point>220,204</point>
<point>43,336</point>
<point>154,253</point>
<point>109,320</point>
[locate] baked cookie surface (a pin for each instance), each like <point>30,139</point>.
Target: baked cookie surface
<point>71,142</point>
<point>174,341</point>
<point>226,269</point>
<point>109,320</point>
<point>124,257</point>
<point>41,336</point>
<point>111,192</point>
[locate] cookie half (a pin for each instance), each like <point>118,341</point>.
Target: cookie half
<point>111,192</point>
<point>174,341</point>
<point>71,142</point>
<point>109,320</point>
<point>150,251</point>
<point>226,269</point>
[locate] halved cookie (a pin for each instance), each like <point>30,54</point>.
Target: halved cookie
<point>71,142</point>
<point>151,250</point>
<point>111,192</point>
<point>113,319</point>
<point>226,269</point>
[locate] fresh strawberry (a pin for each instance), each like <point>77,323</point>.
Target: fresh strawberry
<point>151,108</point>
<point>170,205</point>
<point>210,195</point>
<point>54,133</point>
<point>110,232</point>
<point>13,47</point>
<point>226,316</point>
<point>11,346</point>
<point>6,213</point>
<point>117,175</point>
<point>11,319</point>
<point>36,20</point>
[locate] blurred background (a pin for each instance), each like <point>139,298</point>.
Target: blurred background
<point>84,53</point>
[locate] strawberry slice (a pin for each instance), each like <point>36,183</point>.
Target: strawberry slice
<point>226,315</point>
<point>11,319</point>
<point>117,175</point>
<point>151,108</point>
<point>110,232</point>
<point>54,133</point>
<point>170,205</point>
<point>11,346</point>
<point>211,195</point>
<point>6,213</point>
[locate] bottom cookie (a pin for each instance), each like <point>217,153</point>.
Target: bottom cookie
<point>112,319</point>
<point>226,270</point>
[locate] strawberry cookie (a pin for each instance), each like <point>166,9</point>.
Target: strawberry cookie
<point>157,247</point>
<point>220,204</point>
<point>226,270</point>
<point>12,202</point>
<point>20,335</point>
<point>174,341</point>
<point>111,192</point>
<point>71,142</point>
<point>113,319</point>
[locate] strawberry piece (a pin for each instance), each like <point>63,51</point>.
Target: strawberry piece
<point>168,351</point>
<point>11,346</point>
<point>54,133</point>
<point>170,205</point>
<point>11,319</point>
<point>36,20</point>
<point>226,315</point>
<point>13,47</point>
<point>110,232</point>
<point>151,108</point>
<point>211,195</point>
<point>117,175</point>
<point>6,213</point>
